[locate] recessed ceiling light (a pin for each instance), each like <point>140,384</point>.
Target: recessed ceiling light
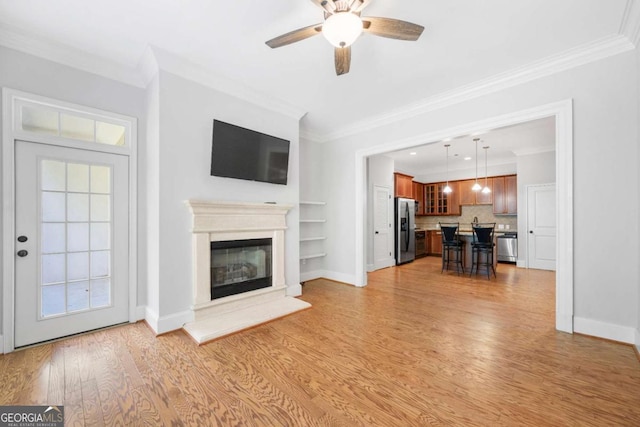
<point>413,153</point>
<point>467,158</point>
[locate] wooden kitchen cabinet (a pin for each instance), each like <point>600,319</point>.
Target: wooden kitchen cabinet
<point>485,198</point>
<point>470,197</point>
<point>435,242</point>
<point>437,202</point>
<point>403,185</point>
<point>418,195</point>
<point>505,195</point>
<point>421,243</point>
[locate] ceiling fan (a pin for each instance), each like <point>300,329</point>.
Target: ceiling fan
<point>342,26</point>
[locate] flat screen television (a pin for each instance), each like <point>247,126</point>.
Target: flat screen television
<point>246,154</point>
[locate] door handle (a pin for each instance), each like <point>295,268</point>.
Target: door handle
<point>22,239</point>
<point>377,232</point>
<point>22,253</point>
<point>530,231</point>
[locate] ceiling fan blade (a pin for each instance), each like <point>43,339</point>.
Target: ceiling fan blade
<point>392,28</point>
<point>326,5</point>
<point>343,60</point>
<point>295,36</point>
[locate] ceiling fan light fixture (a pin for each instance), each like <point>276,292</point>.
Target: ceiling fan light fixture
<point>342,29</point>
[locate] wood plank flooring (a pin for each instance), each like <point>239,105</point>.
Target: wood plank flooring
<point>413,348</point>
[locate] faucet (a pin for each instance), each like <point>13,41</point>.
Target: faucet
<point>475,219</point>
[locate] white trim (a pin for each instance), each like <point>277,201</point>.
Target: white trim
<point>563,113</point>
<point>1,344</point>
<point>311,275</point>
<point>575,57</point>
<point>630,25</point>
<point>11,98</point>
<point>172,322</point>
<point>637,333</point>
<point>294,290</point>
<point>141,311</point>
<point>605,330</point>
<point>349,279</point>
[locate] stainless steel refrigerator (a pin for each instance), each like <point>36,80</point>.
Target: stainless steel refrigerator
<point>405,214</point>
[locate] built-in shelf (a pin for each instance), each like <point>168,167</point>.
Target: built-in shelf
<point>313,256</point>
<point>312,246</point>
<point>312,239</point>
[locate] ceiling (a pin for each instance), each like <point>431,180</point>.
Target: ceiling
<point>465,41</point>
<point>505,144</point>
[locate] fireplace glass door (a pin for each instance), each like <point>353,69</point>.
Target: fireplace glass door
<point>239,266</point>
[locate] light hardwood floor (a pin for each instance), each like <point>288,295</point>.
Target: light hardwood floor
<point>414,347</point>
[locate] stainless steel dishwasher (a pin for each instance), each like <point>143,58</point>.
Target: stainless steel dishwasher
<point>507,247</point>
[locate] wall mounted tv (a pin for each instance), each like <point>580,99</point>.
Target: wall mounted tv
<point>246,154</point>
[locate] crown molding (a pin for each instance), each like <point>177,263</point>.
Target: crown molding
<point>179,66</point>
<point>309,135</point>
<point>152,60</point>
<point>630,26</point>
<point>75,58</point>
<point>534,150</point>
<point>581,55</point>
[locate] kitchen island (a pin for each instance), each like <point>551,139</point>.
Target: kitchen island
<point>467,237</point>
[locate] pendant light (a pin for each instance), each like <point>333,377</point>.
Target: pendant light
<point>447,189</point>
<point>486,189</point>
<point>476,186</point>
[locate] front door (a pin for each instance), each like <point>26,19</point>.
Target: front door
<point>72,251</point>
<point>541,227</point>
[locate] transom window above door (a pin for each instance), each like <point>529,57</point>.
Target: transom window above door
<point>48,120</point>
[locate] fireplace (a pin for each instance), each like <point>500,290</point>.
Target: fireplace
<point>239,266</point>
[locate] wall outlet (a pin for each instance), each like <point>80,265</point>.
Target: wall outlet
<point>500,226</point>
<point>508,226</point>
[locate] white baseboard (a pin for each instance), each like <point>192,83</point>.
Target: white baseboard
<point>151,317</point>
<point>1,344</point>
<point>521,263</point>
<point>294,290</point>
<point>141,312</point>
<point>311,275</point>
<point>637,340</point>
<point>608,331</point>
<point>349,279</point>
<point>174,321</point>
<point>370,268</point>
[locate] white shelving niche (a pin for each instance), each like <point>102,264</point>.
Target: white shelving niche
<point>312,240</point>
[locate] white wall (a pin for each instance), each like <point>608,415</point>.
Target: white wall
<point>41,77</point>
<point>605,154</point>
<point>638,160</point>
<point>379,173</point>
<point>187,110</point>
<point>532,169</point>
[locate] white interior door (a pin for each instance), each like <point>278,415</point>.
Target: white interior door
<point>541,227</point>
<point>382,237</point>
<point>71,264</point>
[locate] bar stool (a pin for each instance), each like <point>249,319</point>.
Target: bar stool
<point>482,247</point>
<point>451,243</point>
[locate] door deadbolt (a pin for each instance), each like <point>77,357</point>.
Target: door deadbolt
<point>22,239</point>
<point>22,253</point>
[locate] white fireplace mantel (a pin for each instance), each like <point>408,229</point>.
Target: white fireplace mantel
<point>215,221</point>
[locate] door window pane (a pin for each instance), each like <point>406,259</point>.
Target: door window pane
<point>53,268</point>
<point>100,293</point>
<point>100,237</point>
<point>77,236</point>
<point>78,207</point>
<point>53,300</point>
<point>100,179</point>
<point>53,175</point>
<point>52,238</point>
<point>53,209</point>
<point>100,207</point>
<point>77,178</point>
<point>100,265</point>
<point>78,266</point>
<point>77,296</point>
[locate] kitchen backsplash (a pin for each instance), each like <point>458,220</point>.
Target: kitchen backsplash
<point>483,212</point>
